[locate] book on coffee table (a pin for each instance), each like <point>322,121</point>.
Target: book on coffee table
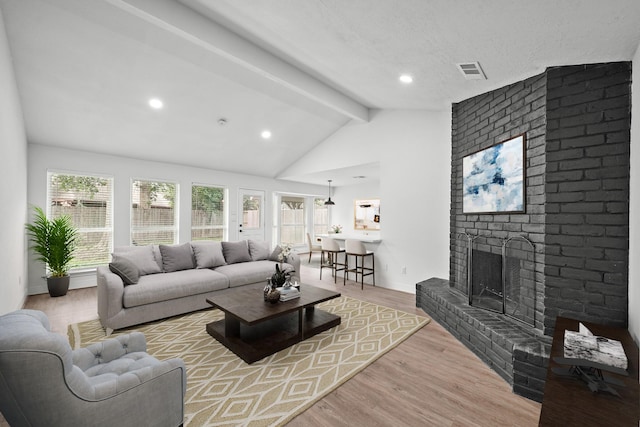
<point>287,294</point>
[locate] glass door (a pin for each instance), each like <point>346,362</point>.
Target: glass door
<point>251,224</point>
<point>292,220</point>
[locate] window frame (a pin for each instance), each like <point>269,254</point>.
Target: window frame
<point>309,218</point>
<point>225,211</point>
<point>176,212</point>
<point>315,225</point>
<point>304,223</point>
<point>109,214</point>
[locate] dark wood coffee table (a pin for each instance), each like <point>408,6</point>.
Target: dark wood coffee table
<point>253,328</point>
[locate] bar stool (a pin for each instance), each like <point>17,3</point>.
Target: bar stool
<point>329,258</point>
<point>357,249</point>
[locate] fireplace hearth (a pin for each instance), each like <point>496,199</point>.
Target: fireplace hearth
<point>491,308</point>
<point>517,352</point>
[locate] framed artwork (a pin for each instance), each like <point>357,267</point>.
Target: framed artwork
<point>493,179</point>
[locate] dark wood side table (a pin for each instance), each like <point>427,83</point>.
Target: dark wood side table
<point>568,401</point>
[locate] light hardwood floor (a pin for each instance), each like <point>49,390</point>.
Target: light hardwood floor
<point>431,379</point>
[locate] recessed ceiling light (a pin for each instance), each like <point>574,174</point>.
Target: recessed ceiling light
<point>266,134</point>
<point>155,103</point>
<point>406,79</point>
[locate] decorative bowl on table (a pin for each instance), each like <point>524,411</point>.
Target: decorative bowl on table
<point>274,296</point>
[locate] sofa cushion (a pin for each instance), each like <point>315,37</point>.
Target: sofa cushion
<point>168,286</point>
<point>235,252</point>
<point>208,254</point>
<point>250,272</point>
<point>259,250</point>
<point>142,256</point>
<point>177,257</point>
<point>124,268</point>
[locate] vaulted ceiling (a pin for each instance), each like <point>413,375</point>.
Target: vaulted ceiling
<point>301,69</point>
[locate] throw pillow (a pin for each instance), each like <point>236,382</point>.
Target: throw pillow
<point>157,255</point>
<point>124,268</point>
<point>259,250</point>
<point>275,253</point>
<point>235,252</point>
<point>177,257</point>
<point>208,254</point>
<point>141,256</point>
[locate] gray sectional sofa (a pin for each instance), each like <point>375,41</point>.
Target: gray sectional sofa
<point>146,283</point>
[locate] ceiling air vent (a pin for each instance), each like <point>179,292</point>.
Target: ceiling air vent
<point>471,71</point>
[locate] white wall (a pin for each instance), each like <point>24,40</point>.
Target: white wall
<point>413,148</point>
<point>634,208</point>
<point>44,158</point>
<point>13,185</point>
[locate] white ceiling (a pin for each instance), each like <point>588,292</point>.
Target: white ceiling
<point>302,69</point>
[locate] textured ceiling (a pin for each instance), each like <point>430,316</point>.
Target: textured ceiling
<point>302,69</point>
<point>362,46</point>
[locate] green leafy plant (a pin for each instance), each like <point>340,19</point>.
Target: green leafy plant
<point>279,277</point>
<point>53,240</point>
<point>88,184</point>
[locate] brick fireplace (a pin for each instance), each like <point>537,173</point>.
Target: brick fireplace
<point>577,125</point>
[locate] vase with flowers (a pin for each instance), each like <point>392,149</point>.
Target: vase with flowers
<point>336,229</point>
<point>285,251</point>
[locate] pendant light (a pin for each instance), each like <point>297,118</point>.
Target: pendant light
<point>329,202</point>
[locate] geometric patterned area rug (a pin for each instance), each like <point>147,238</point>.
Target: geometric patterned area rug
<point>223,390</point>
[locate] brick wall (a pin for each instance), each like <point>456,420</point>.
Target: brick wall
<point>576,120</point>
<point>481,122</point>
<point>587,192</point>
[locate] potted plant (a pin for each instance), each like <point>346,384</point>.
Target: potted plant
<point>54,241</point>
<point>280,276</point>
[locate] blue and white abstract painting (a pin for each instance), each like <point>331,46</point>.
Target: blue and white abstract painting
<point>493,179</point>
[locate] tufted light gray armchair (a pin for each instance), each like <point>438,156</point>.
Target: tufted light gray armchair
<point>43,382</point>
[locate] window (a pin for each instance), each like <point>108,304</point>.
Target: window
<point>88,200</point>
<point>153,212</point>
<point>320,217</point>
<point>207,213</point>
<point>292,225</point>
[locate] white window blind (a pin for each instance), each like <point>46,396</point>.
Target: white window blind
<point>153,212</point>
<point>320,217</point>
<point>88,200</point>
<point>207,213</point>
<point>292,224</point>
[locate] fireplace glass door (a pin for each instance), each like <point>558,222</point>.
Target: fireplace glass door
<point>486,280</point>
<point>502,278</point>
